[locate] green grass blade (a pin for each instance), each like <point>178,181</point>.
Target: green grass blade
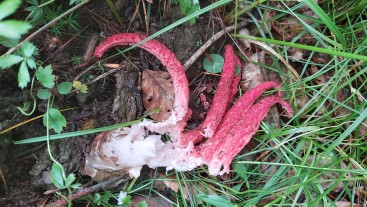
<point>327,21</point>
<point>347,132</point>
<point>77,133</point>
<point>305,47</point>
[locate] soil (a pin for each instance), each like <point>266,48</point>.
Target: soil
<point>25,169</point>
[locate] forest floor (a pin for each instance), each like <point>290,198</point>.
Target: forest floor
<point>315,158</point>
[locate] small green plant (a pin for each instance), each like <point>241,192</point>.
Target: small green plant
<point>43,12</point>
<point>214,64</point>
<point>58,175</point>
<point>10,35</point>
<point>80,87</point>
<point>25,56</point>
<point>37,11</point>
<point>45,76</point>
<point>11,30</point>
<point>75,2</point>
<point>76,60</point>
<point>123,200</point>
<point>60,180</point>
<point>102,199</point>
<point>188,7</point>
<point>69,23</point>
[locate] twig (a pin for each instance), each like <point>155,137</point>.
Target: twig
<point>208,43</point>
<point>84,191</point>
<point>34,34</point>
<point>134,15</point>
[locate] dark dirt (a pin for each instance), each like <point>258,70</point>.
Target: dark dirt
<point>26,168</point>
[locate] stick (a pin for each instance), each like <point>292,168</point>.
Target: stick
<point>208,43</point>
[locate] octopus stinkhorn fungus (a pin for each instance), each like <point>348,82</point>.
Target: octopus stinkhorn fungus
<point>226,129</point>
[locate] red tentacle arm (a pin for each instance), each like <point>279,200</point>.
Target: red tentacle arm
<point>236,81</point>
<point>226,144</point>
<point>221,100</point>
<point>167,58</point>
<point>245,102</point>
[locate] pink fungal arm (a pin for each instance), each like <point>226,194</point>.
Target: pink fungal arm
<point>167,58</point>
<point>225,93</point>
<point>228,142</point>
<point>128,149</point>
<point>245,102</point>
<point>236,81</point>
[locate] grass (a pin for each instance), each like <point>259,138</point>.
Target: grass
<point>321,147</point>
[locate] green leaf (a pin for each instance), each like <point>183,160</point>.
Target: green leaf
<point>69,180</point>
<point>126,200</point>
<point>37,12</point>
<point>106,196</point>
<point>23,75</point>
<point>241,170</point>
<point>189,7</point>
<point>75,2</point>
<point>75,185</point>
<point>97,199</point>
<point>31,63</point>
<point>215,65</point>
<point>238,70</point>
<point>56,176</point>
<point>8,60</point>
<point>142,204</point>
<point>28,49</point>
<point>80,87</point>
<point>13,29</point>
<point>6,42</point>
<point>43,94</point>
<point>45,77</point>
<point>215,200</point>
<point>64,87</point>
<point>25,107</point>
<point>56,120</point>
<point>8,7</point>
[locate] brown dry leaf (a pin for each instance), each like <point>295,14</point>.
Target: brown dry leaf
<point>253,75</point>
<point>288,28</point>
<point>158,93</point>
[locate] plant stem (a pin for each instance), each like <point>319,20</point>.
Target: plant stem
<point>49,150</point>
<point>34,101</point>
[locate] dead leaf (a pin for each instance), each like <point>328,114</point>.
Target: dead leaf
<point>295,54</point>
<point>89,124</point>
<point>288,28</point>
<point>158,93</point>
<point>252,74</point>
